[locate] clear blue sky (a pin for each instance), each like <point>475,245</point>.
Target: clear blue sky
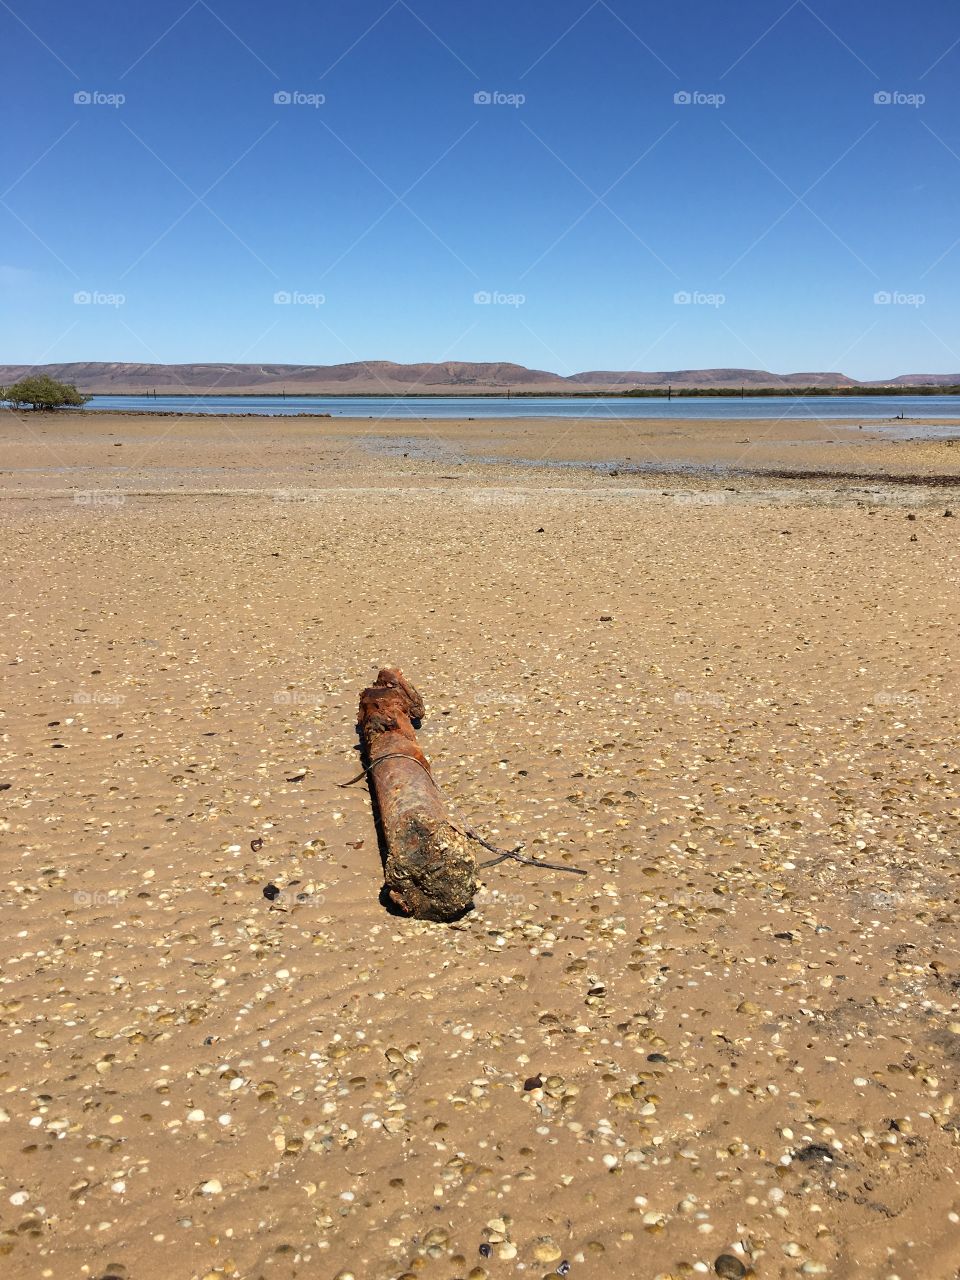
<point>598,199</point>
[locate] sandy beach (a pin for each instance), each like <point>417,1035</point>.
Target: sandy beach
<point>713,664</point>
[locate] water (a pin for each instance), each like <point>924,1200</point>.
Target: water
<point>872,409</point>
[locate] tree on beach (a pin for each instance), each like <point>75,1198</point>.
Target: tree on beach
<point>43,392</point>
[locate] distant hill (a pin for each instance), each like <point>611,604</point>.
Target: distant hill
<point>450,377</point>
<point>925,380</point>
<point>712,378</point>
<point>363,377</point>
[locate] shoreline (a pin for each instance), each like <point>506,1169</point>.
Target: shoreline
<point>605,418</point>
<point>600,393</point>
<point>730,699</point>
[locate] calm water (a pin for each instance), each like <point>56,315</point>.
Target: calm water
<point>874,409</point>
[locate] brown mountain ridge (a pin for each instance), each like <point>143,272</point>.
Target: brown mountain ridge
<point>450,377</point>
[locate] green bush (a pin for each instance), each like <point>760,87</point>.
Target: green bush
<point>43,392</point>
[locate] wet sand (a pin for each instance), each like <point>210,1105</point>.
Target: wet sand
<point>285,450</point>
<point>731,697</point>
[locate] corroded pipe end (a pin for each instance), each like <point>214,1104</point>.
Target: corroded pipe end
<point>393,678</point>
<point>431,871</point>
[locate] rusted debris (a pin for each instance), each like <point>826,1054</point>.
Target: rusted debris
<point>429,868</point>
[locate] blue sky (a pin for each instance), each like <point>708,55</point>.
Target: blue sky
<point>610,225</point>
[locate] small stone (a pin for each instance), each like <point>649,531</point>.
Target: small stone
<point>546,1251</point>
<point>728,1267</point>
<point>211,1188</point>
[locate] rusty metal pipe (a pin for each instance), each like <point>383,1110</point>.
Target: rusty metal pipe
<point>429,867</point>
